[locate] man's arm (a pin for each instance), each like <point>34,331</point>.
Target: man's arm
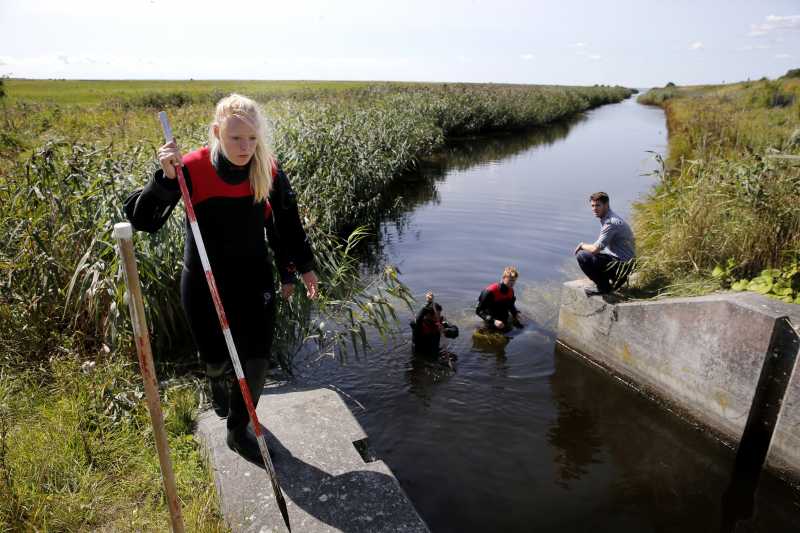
<point>484,300</point>
<point>602,241</point>
<point>591,248</point>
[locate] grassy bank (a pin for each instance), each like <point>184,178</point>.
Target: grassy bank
<point>726,210</point>
<point>67,161</point>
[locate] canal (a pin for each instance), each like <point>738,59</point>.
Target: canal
<point>522,436</point>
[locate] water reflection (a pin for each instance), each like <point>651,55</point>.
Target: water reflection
<point>424,373</point>
<point>420,186</point>
<point>657,468</point>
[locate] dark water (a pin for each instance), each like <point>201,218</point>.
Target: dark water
<point>524,436</point>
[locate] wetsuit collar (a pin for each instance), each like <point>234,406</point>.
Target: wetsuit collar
<point>229,172</point>
<point>503,287</point>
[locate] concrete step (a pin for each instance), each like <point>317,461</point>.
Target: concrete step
<point>327,483</point>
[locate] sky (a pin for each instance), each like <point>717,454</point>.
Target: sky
<point>634,43</point>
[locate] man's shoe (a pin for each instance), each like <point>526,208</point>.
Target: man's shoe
<point>594,291</point>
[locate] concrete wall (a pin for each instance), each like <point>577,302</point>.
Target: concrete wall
<point>703,355</point>
<point>784,453</point>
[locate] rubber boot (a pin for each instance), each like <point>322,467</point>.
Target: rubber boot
<point>220,380</point>
<point>241,437</point>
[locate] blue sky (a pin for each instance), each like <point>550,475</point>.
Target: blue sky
<point>639,44</point>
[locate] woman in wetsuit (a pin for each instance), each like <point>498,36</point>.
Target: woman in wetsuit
<point>239,192</point>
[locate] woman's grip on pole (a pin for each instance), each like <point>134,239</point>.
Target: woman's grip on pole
<point>169,157</point>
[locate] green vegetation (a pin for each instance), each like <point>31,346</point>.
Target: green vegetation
<point>726,210</point>
<point>75,447</point>
<point>792,73</point>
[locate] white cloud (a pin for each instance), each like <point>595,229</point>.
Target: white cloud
<point>578,45</point>
<point>783,56</point>
<point>697,45</point>
<point>773,23</point>
<point>527,57</point>
<point>594,56</point>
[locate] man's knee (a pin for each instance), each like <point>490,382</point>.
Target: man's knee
<point>584,257</point>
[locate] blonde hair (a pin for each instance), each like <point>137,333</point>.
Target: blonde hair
<point>511,272</point>
<point>263,161</point>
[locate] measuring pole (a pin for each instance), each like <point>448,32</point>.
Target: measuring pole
<point>226,330</point>
<point>123,234</point>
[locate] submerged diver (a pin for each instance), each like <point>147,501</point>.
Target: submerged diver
<point>427,329</point>
<point>496,303</point>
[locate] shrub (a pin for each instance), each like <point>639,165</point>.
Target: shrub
<point>721,201</point>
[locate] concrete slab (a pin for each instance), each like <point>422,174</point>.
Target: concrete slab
<point>702,355</point>
<point>327,484</point>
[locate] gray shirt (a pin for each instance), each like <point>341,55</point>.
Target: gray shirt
<point>616,237</point>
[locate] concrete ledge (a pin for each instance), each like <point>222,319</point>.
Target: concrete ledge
<point>703,355</point>
<point>327,484</point>
<point>784,452</point>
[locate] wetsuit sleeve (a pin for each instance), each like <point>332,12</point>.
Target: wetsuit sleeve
<point>484,302</point>
<point>148,208</point>
<point>421,314</point>
<point>427,315</point>
<point>285,232</point>
<point>513,307</point>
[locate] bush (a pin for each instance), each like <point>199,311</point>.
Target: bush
<point>720,201</point>
<point>161,100</point>
<point>792,73</point>
<point>771,94</point>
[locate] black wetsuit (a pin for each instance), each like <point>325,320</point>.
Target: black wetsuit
<point>233,229</point>
<point>495,303</point>
<point>426,330</point>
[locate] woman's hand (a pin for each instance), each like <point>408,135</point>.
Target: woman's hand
<point>169,157</point>
<point>310,281</point>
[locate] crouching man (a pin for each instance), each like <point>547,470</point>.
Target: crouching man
<point>608,261</point>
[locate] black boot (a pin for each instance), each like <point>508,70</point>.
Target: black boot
<point>244,442</point>
<point>241,437</point>
<point>220,381</point>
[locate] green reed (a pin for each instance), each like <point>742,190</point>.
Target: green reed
<point>723,198</point>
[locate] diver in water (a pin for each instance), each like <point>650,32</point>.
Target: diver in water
<point>428,328</point>
<point>496,303</point>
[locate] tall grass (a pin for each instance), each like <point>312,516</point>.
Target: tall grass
<point>75,445</point>
<point>722,199</point>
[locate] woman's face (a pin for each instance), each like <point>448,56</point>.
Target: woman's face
<point>239,140</point>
